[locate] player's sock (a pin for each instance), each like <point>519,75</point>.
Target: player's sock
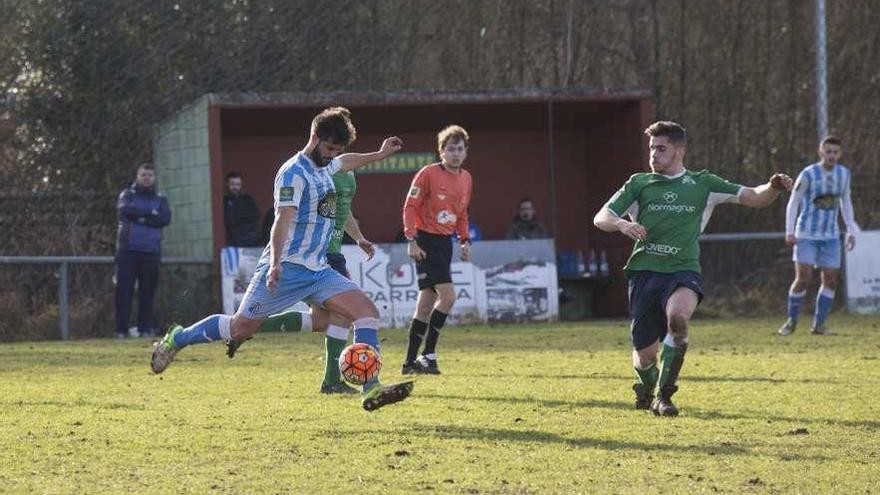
<point>671,361</point>
<point>289,321</point>
<point>648,376</point>
<point>214,327</point>
<point>334,344</point>
<point>824,301</point>
<point>366,331</point>
<point>795,303</point>
<point>438,319</point>
<point>417,330</point>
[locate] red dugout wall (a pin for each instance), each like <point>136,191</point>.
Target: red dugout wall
<point>568,152</point>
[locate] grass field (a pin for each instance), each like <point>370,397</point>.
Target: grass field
<point>541,409</point>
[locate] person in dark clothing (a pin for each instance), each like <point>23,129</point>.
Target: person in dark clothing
<point>241,216</point>
<point>142,215</point>
<point>525,225</point>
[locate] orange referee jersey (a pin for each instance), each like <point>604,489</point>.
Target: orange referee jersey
<point>437,202</point>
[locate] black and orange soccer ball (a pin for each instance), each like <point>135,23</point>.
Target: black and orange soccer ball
<point>359,363</point>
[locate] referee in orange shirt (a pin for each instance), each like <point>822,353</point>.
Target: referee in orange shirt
<point>435,207</point>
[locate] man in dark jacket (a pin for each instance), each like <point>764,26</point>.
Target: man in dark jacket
<point>142,215</point>
<point>525,225</point>
<point>241,216</point>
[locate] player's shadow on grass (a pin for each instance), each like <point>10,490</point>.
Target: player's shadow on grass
<point>531,436</point>
<point>587,404</point>
<point>709,415</point>
<point>628,378</point>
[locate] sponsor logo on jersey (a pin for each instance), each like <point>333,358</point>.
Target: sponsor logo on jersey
<point>254,307</point>
<point>661,249</point>
<point>825,201</point>
<point>414,192</point>
<point>672,208</point>
<point>441,196</point>
<point>327,206</point>
<point>670,196</point>
<point>688,181</point>
<point>285,194</point>
<point>445,217</point>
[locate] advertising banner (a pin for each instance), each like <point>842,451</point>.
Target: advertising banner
<point>863,275</point>
<point>504,282</point>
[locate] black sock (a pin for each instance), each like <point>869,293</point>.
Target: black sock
<point>438,319</point>
<point>417,331</point>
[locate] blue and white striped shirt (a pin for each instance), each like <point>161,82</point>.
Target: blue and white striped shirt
<point>301,183</point>
<point>818,195</point>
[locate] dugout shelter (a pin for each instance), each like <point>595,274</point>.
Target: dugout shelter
<point>567,150</point>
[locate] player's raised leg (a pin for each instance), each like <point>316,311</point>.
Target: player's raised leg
<point>213,328</point>
<point>355,306</point>
<point>679,309</point>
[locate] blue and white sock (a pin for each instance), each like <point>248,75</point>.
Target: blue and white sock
<point>824,301</point>
<point>214,327</point>
<point>795,303</point>
<point>366,330</point>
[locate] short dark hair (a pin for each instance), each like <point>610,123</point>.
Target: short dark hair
<point>147,166</point>
<point>525,200</point>
<point>334,124</point>
<point>668,129</point>
<point>233,175</point>
<point>831,140</point>
<point>452,133</point>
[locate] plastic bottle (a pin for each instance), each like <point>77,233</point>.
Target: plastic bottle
<point>593,262</point>
<point>603,263</point>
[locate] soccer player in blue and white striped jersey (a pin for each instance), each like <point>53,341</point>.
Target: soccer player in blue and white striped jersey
<point>821,193</point>
<point>293,266</point>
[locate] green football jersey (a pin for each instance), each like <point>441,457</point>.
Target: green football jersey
<point>674,211</point>
<point>346,187</point>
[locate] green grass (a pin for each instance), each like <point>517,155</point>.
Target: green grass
<point>542,409</point>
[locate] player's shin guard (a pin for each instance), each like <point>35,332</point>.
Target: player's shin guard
<point>824,301</point>
<point>206,330</point>
<point>289,321</point>
<point>647,377</point>
<point>417,330</point>
<point>795,303</point>
<point>334,344</point>
<point>671,361</point>
<point>366,331</point>
<point>437,320</point>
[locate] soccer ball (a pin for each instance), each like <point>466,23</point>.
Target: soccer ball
<point>359,363</point>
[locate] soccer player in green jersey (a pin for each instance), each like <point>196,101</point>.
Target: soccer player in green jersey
<point>668,209</point>
<point>319,319</point>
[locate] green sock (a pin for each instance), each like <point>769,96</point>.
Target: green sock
<point>671,359</point>
<point>333,349</point>
<point>290,321</point>
<point>648,377</point>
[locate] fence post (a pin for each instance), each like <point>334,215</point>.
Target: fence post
<point>62,302</point>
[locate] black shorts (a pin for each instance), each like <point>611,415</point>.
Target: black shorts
<point>435,268</point>
<point>337,262</point>
<point>648,294</point>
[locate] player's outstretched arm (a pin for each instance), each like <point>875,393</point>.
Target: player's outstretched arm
<point>765,194</point>
<point>353,161</point>
<point>353,229</point>
<point>609,222</point>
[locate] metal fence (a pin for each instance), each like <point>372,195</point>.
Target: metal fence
<point>63,273</point>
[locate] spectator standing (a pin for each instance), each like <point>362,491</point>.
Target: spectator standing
<point>143,213</point>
